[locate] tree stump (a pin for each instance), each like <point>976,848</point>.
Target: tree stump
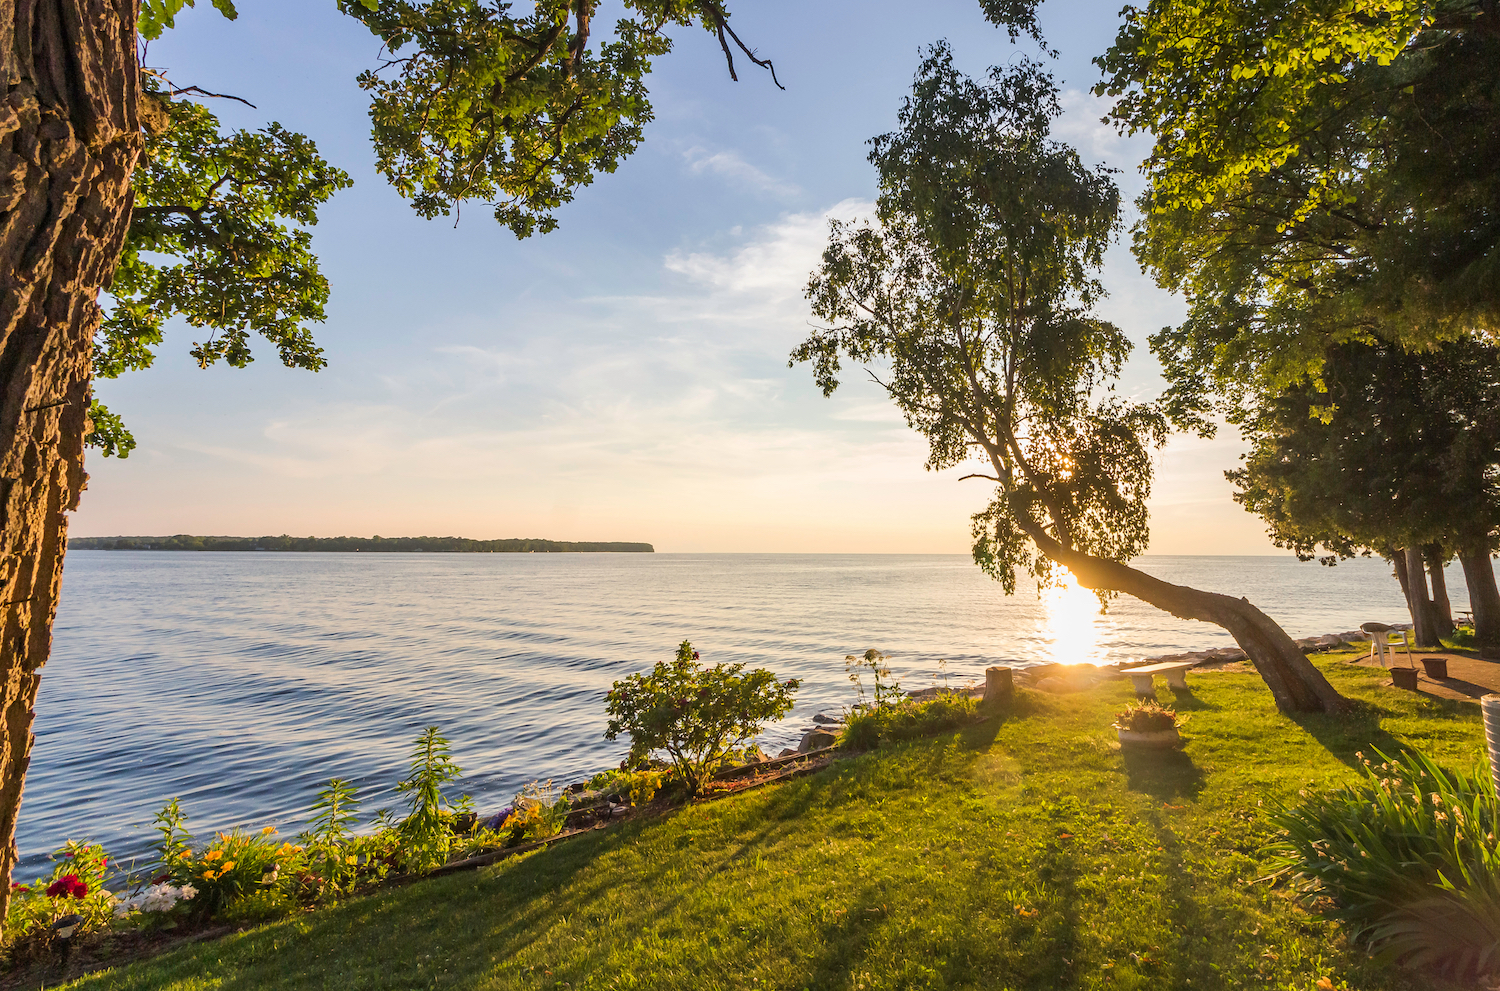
<point>999,684</point>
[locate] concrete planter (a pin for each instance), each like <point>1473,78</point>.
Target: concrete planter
<point>1404,678</point>
<point>1157,739</point>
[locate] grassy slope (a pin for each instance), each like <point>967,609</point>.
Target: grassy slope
<point>1026,852</point>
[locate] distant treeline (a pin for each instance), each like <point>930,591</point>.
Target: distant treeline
<point>439,545</point>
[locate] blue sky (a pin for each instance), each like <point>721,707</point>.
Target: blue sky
<point>625,377</point>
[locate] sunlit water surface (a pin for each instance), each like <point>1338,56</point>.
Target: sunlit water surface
<point>240,683</point>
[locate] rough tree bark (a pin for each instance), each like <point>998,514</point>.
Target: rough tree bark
<point>69,139</point>
<point>1442,609</point>
<point>1418,601</point>
<point>1295,683</point>
<point>1484,597</point>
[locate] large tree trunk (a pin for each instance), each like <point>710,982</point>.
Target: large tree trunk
<point>1442,609</point>
<point>1484,598</point>
<point>1417,600</point>
<point>1295,683</point>
<point>68,143</point>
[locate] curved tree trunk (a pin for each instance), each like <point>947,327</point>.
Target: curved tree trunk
<point>1295,683</point>
<point>1484,598</point>
<point>68,143</point>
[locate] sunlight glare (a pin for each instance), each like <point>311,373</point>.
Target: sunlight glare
<point>1072,622</point>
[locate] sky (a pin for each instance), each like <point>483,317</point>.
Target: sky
<point>625,377</point>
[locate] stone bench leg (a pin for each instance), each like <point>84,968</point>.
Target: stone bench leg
<point>1143,684</point>
<point>1177,679</point>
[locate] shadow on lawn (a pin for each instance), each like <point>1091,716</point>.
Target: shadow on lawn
<point>1162,773</point>
<point>1347,734</point>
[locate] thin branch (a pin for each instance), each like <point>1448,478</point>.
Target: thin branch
<point>991,478</point>
<point>721,24</point>
<point>219,96</point>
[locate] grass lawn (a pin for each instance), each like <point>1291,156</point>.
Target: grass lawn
<point>1023,853</point>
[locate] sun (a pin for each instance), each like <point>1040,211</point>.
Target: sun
<point>1071,621</point>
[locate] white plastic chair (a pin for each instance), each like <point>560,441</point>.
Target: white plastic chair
<point>1380,642</point>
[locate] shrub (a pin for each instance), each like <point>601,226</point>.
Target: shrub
<point>637,787</point>
<point>426,834</point>
<point>695,714</point>
<point>236,865</point>
<point>76,885</point>
<point>907,720</point>
<point>1146,717</point>
<point>1408,856</point>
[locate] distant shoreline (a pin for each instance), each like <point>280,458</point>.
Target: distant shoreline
<point>376,545</point>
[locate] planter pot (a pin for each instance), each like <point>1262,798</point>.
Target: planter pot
<point>1437,667</point>
<point>1149,738</point>
<point>1404,678</point>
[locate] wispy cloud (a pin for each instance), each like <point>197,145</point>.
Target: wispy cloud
<point>731,166</point>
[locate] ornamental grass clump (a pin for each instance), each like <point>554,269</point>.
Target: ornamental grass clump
<point>1408,857</point>
<point>697,715</point>
<point>1147,717</point>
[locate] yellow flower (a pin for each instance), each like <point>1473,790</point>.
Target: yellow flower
<point>213,855</point>
<point>228,866</point>
<point>268,831</point>
<point>351,860</point>
<point>209,875</point>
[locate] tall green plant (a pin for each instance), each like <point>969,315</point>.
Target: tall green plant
<point>1410,858</point>
<point>426,832</point>
<point>327,838</point>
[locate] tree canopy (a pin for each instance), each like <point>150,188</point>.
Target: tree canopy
<point>1322,172</point>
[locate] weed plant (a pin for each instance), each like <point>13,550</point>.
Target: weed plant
<point>1409,857</point>
<point>426,833</point>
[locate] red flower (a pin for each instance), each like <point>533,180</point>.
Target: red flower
<point>68,884</point>
<point>18,886</point>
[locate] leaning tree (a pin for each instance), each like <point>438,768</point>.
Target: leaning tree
<point>971,303</point>
<point>472,101</point>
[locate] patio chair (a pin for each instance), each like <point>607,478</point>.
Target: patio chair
<point>1380,642</point>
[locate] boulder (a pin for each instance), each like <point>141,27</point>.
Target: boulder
<point>788,752</point>
<point>836,720</point>
<point>817,740</point>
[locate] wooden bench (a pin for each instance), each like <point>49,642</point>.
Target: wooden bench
<point>1142,678</point>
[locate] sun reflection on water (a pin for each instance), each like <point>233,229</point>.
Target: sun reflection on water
<point>1072,623</point>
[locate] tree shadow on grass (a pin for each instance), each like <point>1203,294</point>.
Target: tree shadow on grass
<point>1183,700</point>
<point>1346,734</point>
<point>1162,774</point>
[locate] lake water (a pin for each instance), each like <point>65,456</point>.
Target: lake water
<point>240,683</point>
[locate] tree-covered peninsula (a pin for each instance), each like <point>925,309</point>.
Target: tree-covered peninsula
<point>378,544</point>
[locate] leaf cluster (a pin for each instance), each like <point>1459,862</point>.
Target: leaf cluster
<point>696,714</point>
<point>476,102</point>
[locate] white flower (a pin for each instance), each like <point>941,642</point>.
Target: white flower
<point>187,891</point>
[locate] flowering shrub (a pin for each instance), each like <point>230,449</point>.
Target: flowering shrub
<point>1409,856</point>
<point>637,787</point>
<point>235,865</point>
<point>76,885</point>
<point>1146,717</point>
<point>695,714</point>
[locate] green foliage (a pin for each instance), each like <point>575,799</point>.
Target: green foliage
<point>906,719</point>
<point>1409,856</point>
<point>1147,717</point>
<point>426,833</point>
<point>234,866</point>
<point>637,786</point>
<point>158,15</point>
<point>976,290</point>
<point>1385,450</point>
<point>1324,172</point>
<point>476,103</point>
<point>328,852</point>
<point>695,714</point>
<point>74,886</point>
<point>537,812</point>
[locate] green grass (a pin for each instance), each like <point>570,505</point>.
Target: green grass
<point>1023,853</point>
